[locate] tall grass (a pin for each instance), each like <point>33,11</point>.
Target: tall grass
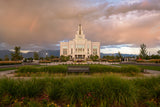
<point>21,88</point>
<point>97,91</point>
<point>148,88</point>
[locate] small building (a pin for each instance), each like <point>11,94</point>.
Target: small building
<point>80,48</point>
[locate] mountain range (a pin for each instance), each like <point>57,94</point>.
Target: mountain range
<point>42,53</point>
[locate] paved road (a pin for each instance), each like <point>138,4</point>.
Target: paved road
<point>153,72</point>
<point>10,66</point>
<point>17,65</point>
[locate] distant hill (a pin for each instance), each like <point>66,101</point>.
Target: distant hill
<point>4,52</point>
<point>124,55</point>
<point>42,53</point>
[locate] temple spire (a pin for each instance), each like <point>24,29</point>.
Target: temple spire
<point>80,29</point>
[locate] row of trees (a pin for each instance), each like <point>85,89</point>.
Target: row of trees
<point>145,55</point>
<point>111,57</point>
<point>16,55</point>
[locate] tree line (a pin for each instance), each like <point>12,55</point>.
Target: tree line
<point>144,54</point>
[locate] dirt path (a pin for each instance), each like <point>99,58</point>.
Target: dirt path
<point>151,73</point>
<point>4,73</point>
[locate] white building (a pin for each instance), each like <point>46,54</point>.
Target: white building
<point>79,48</point>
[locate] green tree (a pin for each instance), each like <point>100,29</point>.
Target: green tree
<point>6,58</point>
<point>64,58</point>
<point>0,59</point>
<point>47,58</point>
<point>143,51</point>
<point>36,56</point>
<point>30,59</point>
<point>41,58</point>
<point>119,55</point>
<point>94,57</point>
<point>16,55</point>
<point>108,57</point>
<point>52,56</point>
<point>158,52</point>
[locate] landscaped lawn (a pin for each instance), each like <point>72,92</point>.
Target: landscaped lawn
<point>103,87</point>
<point>13,68</point>
<point>62,69</point>
<point>157,68</point>
<point>6,69</point>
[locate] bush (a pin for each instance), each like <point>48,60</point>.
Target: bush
<point>54,69</point>
<point>103,68</point>
<point>25,69</point>
<point>130,69</point>
<point>44,61</point>
<point>10,62</point>
<point>93,69</point>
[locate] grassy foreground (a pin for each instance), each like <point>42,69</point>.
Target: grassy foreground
<point>80,92</point>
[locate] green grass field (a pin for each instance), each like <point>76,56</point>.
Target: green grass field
<point>14,68</point>
<point>6,69</point>
<point>157,68</point>
<point>93,69</point>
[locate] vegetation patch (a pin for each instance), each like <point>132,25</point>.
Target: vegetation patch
<point>6,69</point>
<point>10,62</point>
<point>97,92</point>
<point>93,69</point>
<point>157,68</point>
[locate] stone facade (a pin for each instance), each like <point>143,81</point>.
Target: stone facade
<point>79,48</point>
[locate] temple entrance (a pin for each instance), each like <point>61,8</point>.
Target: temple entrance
<point>79,57</point>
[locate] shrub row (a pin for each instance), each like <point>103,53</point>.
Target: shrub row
<point>93,69</point>
<point>10,62</point>
<point>106,91</point>
<point>148,61</point>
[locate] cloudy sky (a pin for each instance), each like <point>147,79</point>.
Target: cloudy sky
<point>120,25</point>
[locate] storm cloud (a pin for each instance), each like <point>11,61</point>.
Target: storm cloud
<point>36,24</point>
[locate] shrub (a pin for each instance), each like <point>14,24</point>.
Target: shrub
<point>54,69</point>
<point>130,69</point>
<point>103,68</point>
<point>93,69</point>
<point>44,61</point>
<point>25,69</point>
<point>10,62</point>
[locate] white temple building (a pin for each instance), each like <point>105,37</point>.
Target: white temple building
<point>79,48</point>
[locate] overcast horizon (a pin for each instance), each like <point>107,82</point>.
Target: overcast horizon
<point>119,25</point>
